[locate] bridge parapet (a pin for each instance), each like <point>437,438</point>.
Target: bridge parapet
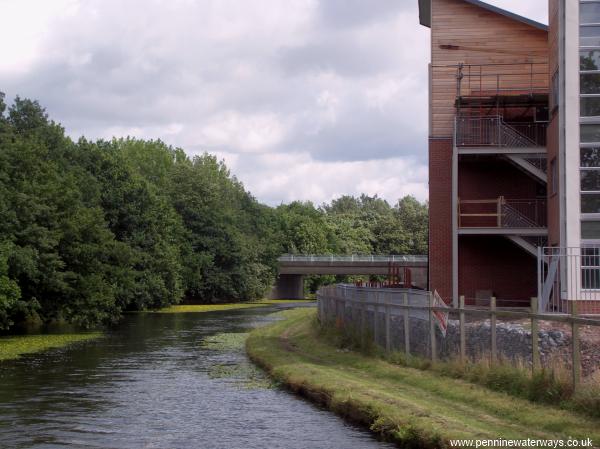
<point>352,258</point>
<point>293,267</point>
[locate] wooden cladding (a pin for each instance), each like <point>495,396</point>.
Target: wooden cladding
<point>468,34</point>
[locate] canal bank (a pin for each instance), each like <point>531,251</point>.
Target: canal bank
<point>408,406</point>
<point>31,340</point>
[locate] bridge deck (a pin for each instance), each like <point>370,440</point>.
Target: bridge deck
<point>347,264</point>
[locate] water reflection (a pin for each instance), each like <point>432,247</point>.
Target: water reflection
<point>151,383</point>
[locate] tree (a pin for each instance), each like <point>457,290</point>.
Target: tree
<point>90,229</point>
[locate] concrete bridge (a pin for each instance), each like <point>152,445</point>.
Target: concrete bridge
<point>292,269</point>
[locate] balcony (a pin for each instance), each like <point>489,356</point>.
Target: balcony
<point>507,83</point>
<point>493,131</point>
<point>521,143</point>
<point>502,216</point>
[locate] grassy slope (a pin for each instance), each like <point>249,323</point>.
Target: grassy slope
<point>407,405</point>
<point>15,346</point>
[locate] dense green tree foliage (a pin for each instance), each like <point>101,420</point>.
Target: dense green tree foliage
<point>369,225</point>
<point>91,229</point>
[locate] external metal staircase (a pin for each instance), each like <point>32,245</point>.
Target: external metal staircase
<point>533,166</point>
<point>513,218</point>
<point>523,243</point>
<point>521,144</point>
<point>493,131</point>
<point>511,137</point>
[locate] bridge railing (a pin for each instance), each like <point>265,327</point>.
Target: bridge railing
<point>351,258</point>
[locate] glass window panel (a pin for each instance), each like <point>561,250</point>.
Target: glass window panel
<point>590,278</point>
<point>590,229</point>
<point>590,204</point>
<point>590,180</point>
<point>590,83</point>
<point>589,106</point>
<point>589,36</point>
<point>590,256</point>
<point>589,13</point>
<point>589,157</point>
<point>589,59</point>
<point>589,132</point>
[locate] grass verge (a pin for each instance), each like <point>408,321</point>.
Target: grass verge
<point>15,346</point>
<point>412,407</point>
<point>552,384</point>
<point>203,308</point>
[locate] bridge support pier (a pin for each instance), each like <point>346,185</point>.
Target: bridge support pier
<point>288,286</point>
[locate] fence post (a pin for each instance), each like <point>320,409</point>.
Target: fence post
<point>363,324</point>
<point>540,266</point>
<point>535,341</point>
<point>388,345</point>
<point>493,329</point>
<point>406,316</point>
<point>575,347</point>
<point>463,340</point>
<point>376,320</point>
<point>432,329</point>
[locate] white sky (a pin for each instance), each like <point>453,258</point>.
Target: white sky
<point>304,99</point>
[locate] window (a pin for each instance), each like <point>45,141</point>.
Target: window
<point>589,163</point>
<point>590,132</point>
<point>589,36</point>
<point>590,203</point>
<point>589,106</point>
<point>589,152</point>
<point>590,264</point>
<point>589,60</point>
<point>589,156</point>
<point>589,13</point>
<point>589,83</point>
<point>590,229</point>
<point>590,180</point>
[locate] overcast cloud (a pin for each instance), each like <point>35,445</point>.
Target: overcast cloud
<point>303,99</point>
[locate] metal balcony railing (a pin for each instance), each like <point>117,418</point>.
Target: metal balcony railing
<point>567,275</point>
<point>493,131</point>
<point>502,213</point>
<point>519,78</point>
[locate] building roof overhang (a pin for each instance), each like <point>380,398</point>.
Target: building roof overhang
<point>425,13</point>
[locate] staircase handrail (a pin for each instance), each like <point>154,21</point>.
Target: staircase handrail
<point>490,130</point>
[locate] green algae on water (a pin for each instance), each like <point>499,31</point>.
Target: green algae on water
<point>243,374</point>
<point>15,346</point>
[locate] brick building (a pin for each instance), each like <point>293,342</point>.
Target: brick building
<point>514,153</point>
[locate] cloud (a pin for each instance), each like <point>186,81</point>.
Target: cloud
<point>306,99</point>
<point>297,176</point>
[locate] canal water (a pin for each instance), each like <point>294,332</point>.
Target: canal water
<point>162,381</point>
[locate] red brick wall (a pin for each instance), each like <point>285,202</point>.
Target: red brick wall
<point>440,217</point>
<point>584,307</point>
<point>488,178</point>
<point>495,263</point>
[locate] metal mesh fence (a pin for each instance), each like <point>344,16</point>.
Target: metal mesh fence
<point>410,321</point>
